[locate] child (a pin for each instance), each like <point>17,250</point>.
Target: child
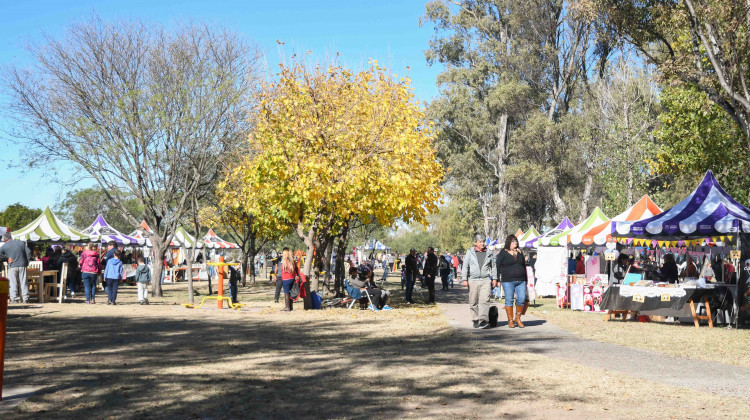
<point>143,278</point>
<point>113,275</point>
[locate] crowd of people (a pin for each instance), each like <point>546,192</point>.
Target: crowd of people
<point>82,269</point>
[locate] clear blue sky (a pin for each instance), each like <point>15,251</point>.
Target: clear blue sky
<point>386,30</point>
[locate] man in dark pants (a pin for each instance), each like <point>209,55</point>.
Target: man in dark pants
<point>430,272</point>
<point>411,274</point>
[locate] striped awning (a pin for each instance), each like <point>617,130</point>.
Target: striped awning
<point>183,239</point>
<point>101,231</point>
<point>596,218</point>
<point>48,228</point>
<point>214,241</point>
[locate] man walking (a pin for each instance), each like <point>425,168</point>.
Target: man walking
<point>19,255</point>
<point>411,273</point>
<point>478,271</point>
<point>430,272</point>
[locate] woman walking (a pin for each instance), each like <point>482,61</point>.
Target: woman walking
<point>287,271</point>
<point>90,267</point>
<point>512,266</point>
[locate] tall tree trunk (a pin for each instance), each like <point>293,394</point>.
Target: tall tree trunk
<point>308,238</point>
<point>189,272</point>
<point>501,145</point>
<point>157,251</point>
<point>628,140</point>
<point>588,186</point>
<point>340,260</point>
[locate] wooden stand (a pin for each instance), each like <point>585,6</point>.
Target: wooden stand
<point>697,318</point>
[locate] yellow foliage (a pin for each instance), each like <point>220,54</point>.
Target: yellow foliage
<point>332,142</point>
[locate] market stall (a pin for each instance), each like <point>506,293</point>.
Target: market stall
<point>48,228</point>
<point>707,213</point>
<point>563,238</point>
<point>600,234</point>
<point>528,239</point>
<point>101,231</point>
<point>212,240</point>
<point>552,261</point>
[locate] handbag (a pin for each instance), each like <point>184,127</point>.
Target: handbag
<point>294,290</point>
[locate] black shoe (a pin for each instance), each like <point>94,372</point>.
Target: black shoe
<point>114,303</point>
<point>483,324</point>
<point>476,323</point>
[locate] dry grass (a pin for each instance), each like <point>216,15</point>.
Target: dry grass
<point>164,361</point>
<point>682,340</point>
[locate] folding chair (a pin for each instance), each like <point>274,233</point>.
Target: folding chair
<point>357,295</point>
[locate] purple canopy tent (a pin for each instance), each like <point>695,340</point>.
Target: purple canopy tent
<point>101,231</point>
<point>561,227</point>
<point>707,211</point>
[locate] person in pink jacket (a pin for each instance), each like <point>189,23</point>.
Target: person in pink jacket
<point>90,267</point>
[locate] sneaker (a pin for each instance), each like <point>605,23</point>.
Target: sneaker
<point>145,301</point>
<point>483,324</point>
<point>476,323</point>
<point>140,302</point>
<point>109,302</point>
<point>410,302</point>
<point>25,301</point>
<point>114,303</point>
<point>15,300</point>
<point>386,308</point>
<point>72,294</point>
<point>372,308</point>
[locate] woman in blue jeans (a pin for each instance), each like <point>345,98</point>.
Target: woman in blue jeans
<point>287,271</point>
<point>512,266</point>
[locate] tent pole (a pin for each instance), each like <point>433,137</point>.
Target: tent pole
<point>738,273</point>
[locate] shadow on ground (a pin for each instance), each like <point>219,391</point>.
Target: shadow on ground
<point>176,366</point>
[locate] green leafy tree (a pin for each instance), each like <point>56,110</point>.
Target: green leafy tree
<point>16,216</point>
<point>696,135</point>
<point>704,44</point>
<point>80,208</point>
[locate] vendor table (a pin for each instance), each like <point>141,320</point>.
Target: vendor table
<point>634,299</point>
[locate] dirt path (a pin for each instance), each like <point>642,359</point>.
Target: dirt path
<point>544,338</point>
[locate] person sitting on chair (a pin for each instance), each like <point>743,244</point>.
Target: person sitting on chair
<point>360,279</point>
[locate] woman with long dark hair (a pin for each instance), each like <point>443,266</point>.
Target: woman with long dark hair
<point>512,267</point>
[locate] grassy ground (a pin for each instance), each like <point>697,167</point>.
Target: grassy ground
<point>165,361</point>
<point>683,340</point>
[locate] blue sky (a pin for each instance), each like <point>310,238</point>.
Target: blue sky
<point>387,31</point>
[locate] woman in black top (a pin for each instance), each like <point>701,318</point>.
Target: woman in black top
<point>512,266</point>
<point>668,271</point>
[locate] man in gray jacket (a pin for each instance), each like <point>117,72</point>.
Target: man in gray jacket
<point>478,272</point>
<point>19,256</point>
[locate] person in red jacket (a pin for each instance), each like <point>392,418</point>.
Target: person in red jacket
<point>580,266</point>
<point>90,266</point>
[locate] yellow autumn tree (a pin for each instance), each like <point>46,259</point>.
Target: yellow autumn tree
<point>246,222</point>
<point>330,145</point>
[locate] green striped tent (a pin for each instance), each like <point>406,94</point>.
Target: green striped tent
<point>530,234</point>
<point>48,228</point>
<point>183,239</point>
<point>596,218</point>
